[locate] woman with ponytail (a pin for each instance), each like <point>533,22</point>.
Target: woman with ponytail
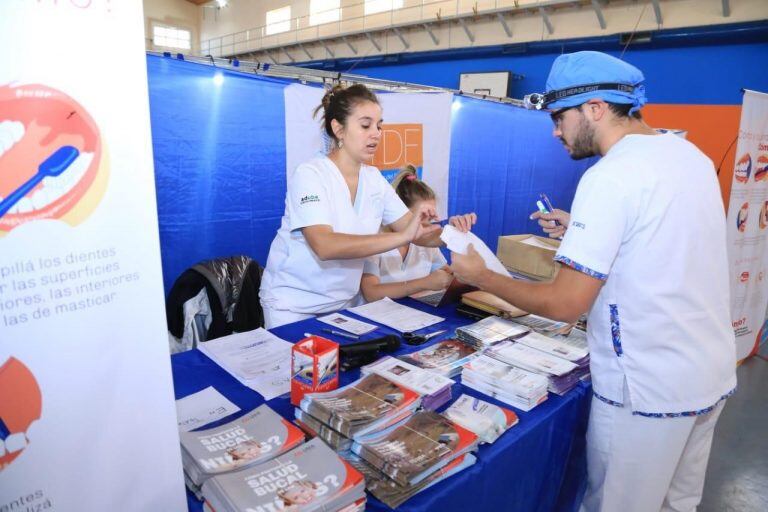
<point>334,208</point>
<point>407,269</point>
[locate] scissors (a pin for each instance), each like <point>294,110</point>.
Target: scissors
<point>418,339</point>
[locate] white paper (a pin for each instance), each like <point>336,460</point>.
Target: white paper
<point>531,359</point>
<point>457,241</point>
<point>553,347</point>
<point>394,315</point>
<point>258,359</point>
<point>535,242</point>
<point>199,409</point>
<point>412,377</point>
<point>347,323</point>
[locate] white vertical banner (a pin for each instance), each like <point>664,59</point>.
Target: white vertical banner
<point>416,130</point>
<point>87,417</point>
<point>748,224</point>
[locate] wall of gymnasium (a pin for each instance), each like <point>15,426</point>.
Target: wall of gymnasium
<point>693,76</point>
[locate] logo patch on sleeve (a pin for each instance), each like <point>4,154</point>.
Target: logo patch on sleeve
<point>311,198</point>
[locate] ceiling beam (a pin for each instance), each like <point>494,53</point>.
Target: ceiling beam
<point>463,24</point>
<point>402,39</point>
<point>504,24</point>
<point>545,18</point>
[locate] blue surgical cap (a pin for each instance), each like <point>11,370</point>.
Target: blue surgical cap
<point>586,68</point>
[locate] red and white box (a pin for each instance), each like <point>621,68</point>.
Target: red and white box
<point>314,367</point>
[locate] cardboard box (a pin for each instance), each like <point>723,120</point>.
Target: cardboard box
<point>529,255</point>
<point>314,367</point>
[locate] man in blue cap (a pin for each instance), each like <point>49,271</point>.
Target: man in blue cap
<point>644,254</point>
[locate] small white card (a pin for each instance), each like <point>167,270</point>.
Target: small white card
<point>199,409</point>
<point>347,323</point>
<point>398,317</point>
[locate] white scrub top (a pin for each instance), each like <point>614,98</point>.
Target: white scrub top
<point>648,220</point>
<point>295,279</point>
<point>390,267</point>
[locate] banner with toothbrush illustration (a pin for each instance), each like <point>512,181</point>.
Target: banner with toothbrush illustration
<point>87,417</point>
<point>748,225</point>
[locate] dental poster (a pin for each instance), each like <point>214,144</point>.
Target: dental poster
<point>748,225</point>
<point>416,130</point>
<point>87,416</point>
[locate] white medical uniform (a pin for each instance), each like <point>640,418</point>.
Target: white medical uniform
<point>648,220</point>
<point>391,267</point>
<point>296,284</point>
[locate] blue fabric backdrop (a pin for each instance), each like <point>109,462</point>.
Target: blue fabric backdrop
<point>219,150</point>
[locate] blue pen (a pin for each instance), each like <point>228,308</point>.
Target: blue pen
<point>549,206</point>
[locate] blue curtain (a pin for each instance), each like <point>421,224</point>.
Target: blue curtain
<point>219,150</point>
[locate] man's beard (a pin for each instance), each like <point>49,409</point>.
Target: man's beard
<point>584,143</point>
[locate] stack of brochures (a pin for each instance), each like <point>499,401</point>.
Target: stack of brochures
<point>562,374</point>
<point>446,357</point>
<point>489,331</point>
<point>251,439</point>
<point>310,478</point>
<point>435,389</point>
<point>394,494</point>
<point>411,452</point>
<point>486,420</point>
<point>507,383</point>
<point>316,428</point>
<point>543,325</point>
<point>367,405</point>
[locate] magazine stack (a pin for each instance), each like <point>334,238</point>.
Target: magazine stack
<point>394,494</point>
<point>563,375</point>
<point>411,452</point>
<point>366,406</point>
<point>489,331</point>
<point>435,389</point>
<point>251,439</point>
<point>486,420</point>
<point>445,357</point>
<point>310,478</point>
<point>505,382</point>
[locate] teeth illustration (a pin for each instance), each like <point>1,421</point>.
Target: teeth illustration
<point>54,188</point>
<point>15,442</point>
<point>11,132</point>
<point>32,431</point>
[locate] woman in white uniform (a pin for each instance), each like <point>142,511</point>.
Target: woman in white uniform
<point>334,207</point>
<point>407,269</point>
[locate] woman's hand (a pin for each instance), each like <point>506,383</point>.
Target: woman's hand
<point>439,279</point>
<point>463,222</point>
<point>419,226</point>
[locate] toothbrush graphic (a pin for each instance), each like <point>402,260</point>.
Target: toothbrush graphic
<point>54,165</point>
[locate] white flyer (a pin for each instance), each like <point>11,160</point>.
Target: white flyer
<point>421,381</point>
<point>206,406</point>
<point>398,317</point>
<point>258,359</point>
<point>553,347</point>
<point>347,323</point>
<point>457,241</point>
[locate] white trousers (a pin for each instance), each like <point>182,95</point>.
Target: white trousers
<point>641,464</point>
<point>277,317</point>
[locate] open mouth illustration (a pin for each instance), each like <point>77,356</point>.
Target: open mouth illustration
<point>741,218</point>
<point>743,168</point>
<point>761,169</point>
<point>20,408</point>
<point>51,157</point>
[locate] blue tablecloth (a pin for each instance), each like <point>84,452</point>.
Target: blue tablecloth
<point>538,465</point>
